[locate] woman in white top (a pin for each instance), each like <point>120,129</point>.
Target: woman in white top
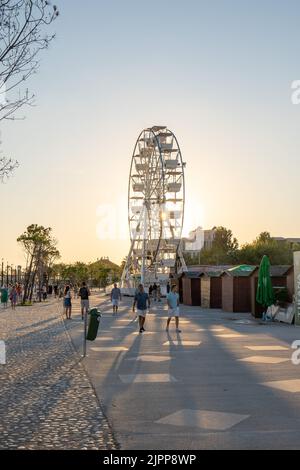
<point>67,302</point>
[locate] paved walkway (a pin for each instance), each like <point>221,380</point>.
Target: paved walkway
<point>46,398</point>
<point>220,384</point>
<point>225,382</point>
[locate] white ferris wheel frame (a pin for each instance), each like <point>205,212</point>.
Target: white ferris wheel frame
<point>159,181</point>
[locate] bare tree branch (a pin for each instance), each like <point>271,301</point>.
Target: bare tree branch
<point>7,166</point>
<point>22,37</point>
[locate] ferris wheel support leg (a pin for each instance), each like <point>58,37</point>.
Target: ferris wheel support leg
<point>182,260</point>
<point>126,270</point>
<point>145,224</point>
<point>127,265</point>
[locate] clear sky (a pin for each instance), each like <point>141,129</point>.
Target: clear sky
<point>218,73</point>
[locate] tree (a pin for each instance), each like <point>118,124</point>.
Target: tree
<point>123,264</point>
<point>279,252</point>
<point>224,248</point>
<point>81,271</point>
<point>100,276</point>
<point>22,37</point>
<point>224,240</point>
<point>263,237</point>
<point>40,249</point>
<point>193,258</point>
<point>97,273</point>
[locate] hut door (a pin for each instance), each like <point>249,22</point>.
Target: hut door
<point>242,297</point>
<point>196,292</point>
<point>186,291</point>
<point>180,291</point>
<point>216,292</point>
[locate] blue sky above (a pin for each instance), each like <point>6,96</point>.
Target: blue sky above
<point>218,73</point>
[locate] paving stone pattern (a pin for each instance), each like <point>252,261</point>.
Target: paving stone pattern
<point>46,399</point>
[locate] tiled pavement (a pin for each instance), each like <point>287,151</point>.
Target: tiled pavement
<point>225,382</point>
<point>46,398</point>
<point>219,384</point>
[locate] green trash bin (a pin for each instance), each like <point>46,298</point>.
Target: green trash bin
<point>95,316</point>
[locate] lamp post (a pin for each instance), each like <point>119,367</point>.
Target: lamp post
<point>2,272</point>
<point>7,274</point>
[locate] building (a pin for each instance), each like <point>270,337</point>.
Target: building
<point>236,288</point>
<point>291,241</point>
<point>211,289</point>
<point>197,240</point>
<point>189,284</point>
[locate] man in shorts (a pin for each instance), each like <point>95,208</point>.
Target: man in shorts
<point>115,297</point>
<point>173,304</point>
<point>141,300</point>
<point>84,294</point>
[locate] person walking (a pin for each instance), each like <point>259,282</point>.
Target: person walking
<point>9,288</point>
<point>84,294</point>
<point>115,297</point>
<point>4,296</point>
<point>158,293</point>
<point>150,291</point>
<point>60,292</point>
<point>141,300</point>
<point>55,287</point>
<point>13,297</point>
<point>173,304</point>
<point>68,302</point>
<point>44,293</point>
<point>19,292</point>
<point>154,290</point>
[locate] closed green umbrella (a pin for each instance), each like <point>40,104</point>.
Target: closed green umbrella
<point>265,293</point>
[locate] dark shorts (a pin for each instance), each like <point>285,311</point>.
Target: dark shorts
<point>67,303</point>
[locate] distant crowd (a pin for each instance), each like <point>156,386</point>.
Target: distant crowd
<point>11,293</point>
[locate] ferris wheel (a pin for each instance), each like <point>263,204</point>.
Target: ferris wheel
<point>156,194</point>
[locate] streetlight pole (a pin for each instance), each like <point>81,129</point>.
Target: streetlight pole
<point>2,272</point>
<point>85,332</point>
<point>7,282</point>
